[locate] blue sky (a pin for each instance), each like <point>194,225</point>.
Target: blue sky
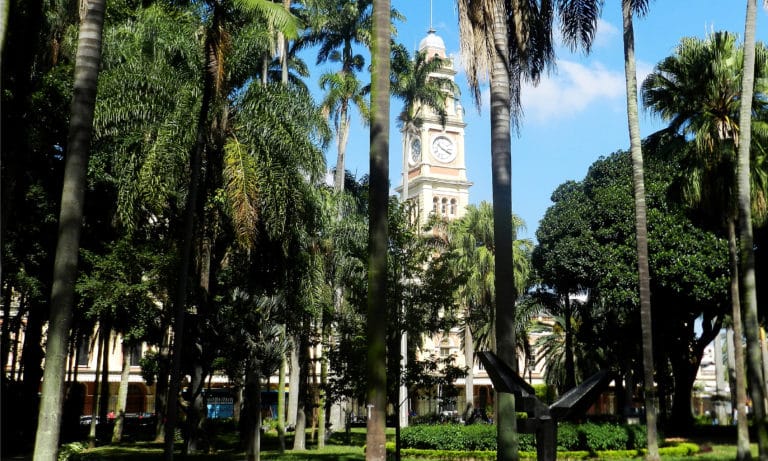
<point>574,116</point>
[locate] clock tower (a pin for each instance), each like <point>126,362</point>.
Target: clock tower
<point>434,163</point>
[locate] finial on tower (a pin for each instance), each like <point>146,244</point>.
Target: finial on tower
<point>431,28</point>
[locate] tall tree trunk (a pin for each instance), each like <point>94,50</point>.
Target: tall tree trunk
<point>253,418</point>
<point>293,381</point>
<point>321,397</point>
<point>185,249</point>
<point>96,402</point>
<point>282,44</point>
<point>161,388</point>
<point>641,230</point>
<point>501,172</point>
<point>341,143</point>
<point>31,366</point>
<point>570,366</point>
<point>747,254</point>
<point>5,329</point>
<point>197,412</point>
<point>281,402</point>
<point>300,434</point>
<point>104,394</point>
<point>469,381</point>
<point>122,394</point>
<point>719,403</point>
<point>376,371</point>
<point>739,375</point>
<point>86,77</point>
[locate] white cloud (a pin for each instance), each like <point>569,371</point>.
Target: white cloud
<point>607,34</point>
<point>572,90</point>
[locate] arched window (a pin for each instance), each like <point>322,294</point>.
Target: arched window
<point>444,206</point>
<point>453,206</point>
<point>434,204</point>
<point>445,348</point>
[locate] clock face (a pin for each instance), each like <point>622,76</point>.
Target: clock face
<point>443,149</point>
<point>415,156</point>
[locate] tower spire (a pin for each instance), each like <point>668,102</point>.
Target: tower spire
<point>431,28</point>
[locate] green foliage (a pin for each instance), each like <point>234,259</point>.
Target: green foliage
<point>598,437</point>
<point>69,451</point>
<point>588,437</point>
<point>449,437</point>
<point>567,437</point>
<point>545,393</point>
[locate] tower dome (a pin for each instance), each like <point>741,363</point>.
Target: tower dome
<point>432,44</point>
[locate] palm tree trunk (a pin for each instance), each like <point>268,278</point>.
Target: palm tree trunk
<point>161,389</point>
<point>98,384</point>
<point>378,235</point>
<point>343,136</point>
<point>281,400</point>
<point>469,360</point>
<point>86,78</point>
<point>501,171</point>
<point>293,381</point>
<point>640,230</point>
<point>740,385</point>
<point>570,366</point>
<point>302,346</point>
<point>747,255</point>
<point>185,249</point>
<point>282,42</point>
<point>122,395</point>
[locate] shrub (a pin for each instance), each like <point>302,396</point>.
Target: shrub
<point>599,437</point>
<point>567,437</point>
<point>591,437</point>
<point>69,451</point>
<point>545,393</point>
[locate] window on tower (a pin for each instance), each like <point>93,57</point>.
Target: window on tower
<point>435,200</point>
<point>453,206</point>
<point>444,206</point>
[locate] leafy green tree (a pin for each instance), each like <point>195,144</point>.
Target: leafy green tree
<point>120,288</point>
<point>560,258</point>
<point>687,270</point>
<point>698,91</point>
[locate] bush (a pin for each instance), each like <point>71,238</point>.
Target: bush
<point>599,437</point>
<point>591,437</point>
<point>567,437</point>
<point>70,450</point>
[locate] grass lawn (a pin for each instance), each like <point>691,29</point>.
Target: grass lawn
<point>152,452</point>
<point>225,447</point>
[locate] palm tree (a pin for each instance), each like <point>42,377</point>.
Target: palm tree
<point>377,234</point>
<point>511,45</point>
<point>472,240</point>
<point>414,82</point>
<point>215,89</point>
<point>698,91</point>
<point>628,8</point>
<point>338,25</point>
<point>343,91</point>
<point>87,64</point>
<point>747,255</point>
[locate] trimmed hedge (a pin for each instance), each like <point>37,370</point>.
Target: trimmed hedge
<point>590,437</point>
